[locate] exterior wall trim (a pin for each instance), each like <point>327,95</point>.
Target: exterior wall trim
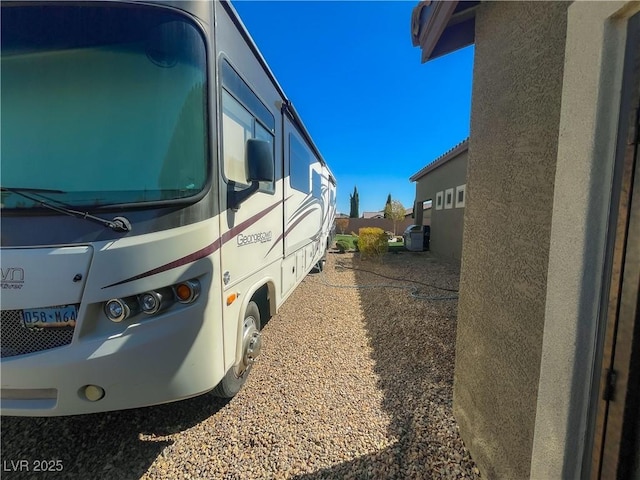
<point>441,27</point>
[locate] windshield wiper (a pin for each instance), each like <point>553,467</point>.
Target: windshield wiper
<point>32,190</point>
<point>119,224</point>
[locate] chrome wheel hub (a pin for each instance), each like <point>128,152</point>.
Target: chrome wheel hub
<point>251,345</point>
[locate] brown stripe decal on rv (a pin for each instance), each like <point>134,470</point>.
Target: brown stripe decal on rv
<point>299,219</point>
<point>203,252</point>
<point>176,263</point>
<point>291,227</point>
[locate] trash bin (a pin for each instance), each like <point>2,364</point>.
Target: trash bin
<point>416,238</point>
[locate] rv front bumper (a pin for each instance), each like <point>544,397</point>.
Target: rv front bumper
<point>167,359</point>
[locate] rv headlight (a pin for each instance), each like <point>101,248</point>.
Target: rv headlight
<point>150,302</point>
<point>116,310</point>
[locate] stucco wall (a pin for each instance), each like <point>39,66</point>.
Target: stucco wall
<point>577,276</point>
<point>517,86</point>
<point>446,224</point>
<point>355,224</point>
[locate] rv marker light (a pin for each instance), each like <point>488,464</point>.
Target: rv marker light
<point>232,298</point>
<point>188,291</point>
<point>116,310</point>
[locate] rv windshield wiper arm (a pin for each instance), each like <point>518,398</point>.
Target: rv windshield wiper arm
<point>119,224</point>
<point>32,190</point>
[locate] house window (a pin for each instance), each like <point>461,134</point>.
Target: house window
<point>439,201</point>
<point>448,198</point>
<point>460,195</point>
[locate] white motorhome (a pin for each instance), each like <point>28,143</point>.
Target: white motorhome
<point>161,198</point>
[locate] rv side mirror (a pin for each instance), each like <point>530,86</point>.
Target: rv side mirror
<point>259,156</point>
<point>259,160</point>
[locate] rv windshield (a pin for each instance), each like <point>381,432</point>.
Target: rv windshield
<point>106,104</point>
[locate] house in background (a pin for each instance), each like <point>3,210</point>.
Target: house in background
<point>408,213</point>
<point>547,368</point>
<point>355,224</point>
<point>441,185</point>
<point>426,212</point>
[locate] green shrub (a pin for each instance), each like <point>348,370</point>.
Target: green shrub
<point>354,239</point>
<point>348,239</point>
<point>372,242</point>
<point>342,246</point>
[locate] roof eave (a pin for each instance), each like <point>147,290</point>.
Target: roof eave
<point>438,162</point>
<point>441,27</point>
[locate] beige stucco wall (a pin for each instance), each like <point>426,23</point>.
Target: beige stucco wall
<point>596,33</point>
<point>446,224</point>
<point>515,115</point>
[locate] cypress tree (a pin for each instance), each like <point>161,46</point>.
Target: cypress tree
<point>387,206</point>
<point>354,203</point>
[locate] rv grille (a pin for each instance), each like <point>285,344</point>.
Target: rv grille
<point>17,340</point>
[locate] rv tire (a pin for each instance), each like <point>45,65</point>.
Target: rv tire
<point>321,263</point>
<point>237,375</point>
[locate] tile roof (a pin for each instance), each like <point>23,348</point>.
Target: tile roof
<point>372,214</point>
<point>442,159</point>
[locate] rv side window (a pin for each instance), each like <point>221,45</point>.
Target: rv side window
<point>316,184</point>
<point>237,128</point>
<point>239,124</point>
<point>299,162</point>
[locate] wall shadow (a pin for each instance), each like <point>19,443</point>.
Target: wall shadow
<point>413,346</point>
<point>120,444</point>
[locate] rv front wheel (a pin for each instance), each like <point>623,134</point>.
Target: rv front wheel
<point>237,375</point>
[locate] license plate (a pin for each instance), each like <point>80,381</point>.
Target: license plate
<point>51,317</point>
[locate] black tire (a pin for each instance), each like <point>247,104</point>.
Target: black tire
<point>321,263</point>
<point>231,383</point>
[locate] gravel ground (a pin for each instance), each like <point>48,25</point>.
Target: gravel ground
<point>351,384</point>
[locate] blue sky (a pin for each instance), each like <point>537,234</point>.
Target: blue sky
<point>375,112</point>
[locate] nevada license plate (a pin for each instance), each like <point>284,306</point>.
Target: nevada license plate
<point>51,317</point>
